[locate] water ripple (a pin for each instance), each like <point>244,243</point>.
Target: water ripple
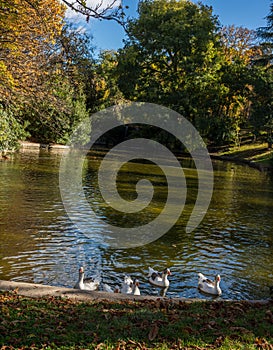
<point>40,244</point>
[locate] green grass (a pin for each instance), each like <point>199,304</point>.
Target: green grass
<point>55,323</point>
<point>254,152</point>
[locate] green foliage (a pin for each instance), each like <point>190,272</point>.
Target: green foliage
<point>11,131</point>
<point>54,118</point>
<point>167,47</point>
<point>51,122</point>
<point>266,35</point>
<point>262,101</point>
<point>262,106</point>
<point>106,89</point>
<point>175,56</point>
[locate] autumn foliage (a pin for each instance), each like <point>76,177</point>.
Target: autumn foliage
<point>176,54</point>
<point>28,30</point>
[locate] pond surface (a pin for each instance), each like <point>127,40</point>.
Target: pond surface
<point>40,244</point>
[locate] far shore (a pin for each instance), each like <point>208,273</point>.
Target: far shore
<point>38,145</point>
<point>257,156</point>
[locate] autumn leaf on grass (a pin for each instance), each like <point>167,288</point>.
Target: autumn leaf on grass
<point>261,343</point>
<point>15,291</point>
<point>219,341</point>
<point>153,332</point>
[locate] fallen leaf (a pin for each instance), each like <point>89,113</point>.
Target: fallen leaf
<point>153,332</point>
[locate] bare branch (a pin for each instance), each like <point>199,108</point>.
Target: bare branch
<point>113,11</point>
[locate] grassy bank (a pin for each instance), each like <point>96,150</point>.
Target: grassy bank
<point>255,154</point>
<point>55,323</point>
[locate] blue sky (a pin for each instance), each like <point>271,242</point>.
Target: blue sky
<point>246,13</point>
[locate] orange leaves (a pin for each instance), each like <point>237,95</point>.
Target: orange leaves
<point>27,28</point>
<point>261,343</point>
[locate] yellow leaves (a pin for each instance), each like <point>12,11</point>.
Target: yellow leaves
<point>239,43</point>
<point>27,31</point>
<point>5,76</point>
<point>106,94</point>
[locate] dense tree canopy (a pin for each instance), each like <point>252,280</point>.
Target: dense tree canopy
<point>176,54</point>
<point>28,29</point>
<point>262,108</point>
<point>266,34</point>
<point>40,63</point>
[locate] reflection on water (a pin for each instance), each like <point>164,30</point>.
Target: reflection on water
<point>40,244</point>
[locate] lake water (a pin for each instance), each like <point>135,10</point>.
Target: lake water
<point>40,244</point>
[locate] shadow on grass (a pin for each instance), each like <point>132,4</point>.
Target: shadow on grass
<point>62,323</point>
<point>247,153</point>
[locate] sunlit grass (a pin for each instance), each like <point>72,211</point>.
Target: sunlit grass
<point>256,153</point>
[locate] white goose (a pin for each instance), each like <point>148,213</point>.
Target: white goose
<point>130,286</point>
<point>108,289</point>
<point>135,289</point>
<point>208,286</point>
<point>86,283</point>
<point>159,279</point>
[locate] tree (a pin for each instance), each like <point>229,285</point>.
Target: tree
<point>266,36</point>
<point>175,55</point>
<point>167,48</point>
<point>106,82</point>
<point>27,31</point>
<point>42,69</point>
<point>239,43</point>
<point>230,112</point>
<point>69,70</point>
<point>262,102</point>
<point>261,116</point>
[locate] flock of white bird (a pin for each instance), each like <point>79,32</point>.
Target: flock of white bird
<point>158,279</point>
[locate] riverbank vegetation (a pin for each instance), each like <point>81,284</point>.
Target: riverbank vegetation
<point>55,323</point>
<point>255,154</point>
<point>176,54</point>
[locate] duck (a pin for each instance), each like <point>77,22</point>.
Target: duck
<point>86,283</point>
<point>159,279</point>
<point>208,286</point>
<point>130,286</point>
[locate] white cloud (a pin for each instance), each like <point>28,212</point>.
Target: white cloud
<point>91,4</point>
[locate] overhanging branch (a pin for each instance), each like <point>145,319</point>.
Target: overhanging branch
<point>114,11</point>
